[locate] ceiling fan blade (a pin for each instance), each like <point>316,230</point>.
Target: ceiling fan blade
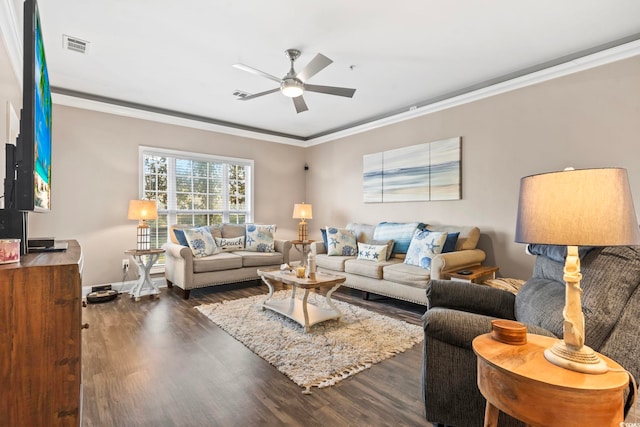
<point>299,103</point>
<point>317,64</point>
<point>256,72</point>
<point>331,90</point>
<point>255,95</point>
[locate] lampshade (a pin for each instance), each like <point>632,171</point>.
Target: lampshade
<point>302,211</point>
<point>142,209</point>
<point>587,207</point>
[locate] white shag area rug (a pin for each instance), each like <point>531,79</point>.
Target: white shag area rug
<point>330,352</point>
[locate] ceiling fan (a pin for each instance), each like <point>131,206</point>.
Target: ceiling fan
<point>294,84</point>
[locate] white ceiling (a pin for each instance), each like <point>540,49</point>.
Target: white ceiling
<point>178,55</point>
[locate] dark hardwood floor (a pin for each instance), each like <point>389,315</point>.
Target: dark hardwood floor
<point>162,363</point>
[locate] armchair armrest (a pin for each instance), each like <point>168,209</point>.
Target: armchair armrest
<point>455,327</point>
<point>471,298</point>
<point>318,248</point>
<point>453,261</point>
<point>284,247</point>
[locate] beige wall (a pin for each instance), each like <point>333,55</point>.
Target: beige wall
<point>10,92</point>
<point>588,119</point>
<point>95,174</point>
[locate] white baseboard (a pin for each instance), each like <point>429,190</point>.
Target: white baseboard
<point>123,287</point>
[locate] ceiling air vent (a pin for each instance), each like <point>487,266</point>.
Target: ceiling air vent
<point>240,93</point>
<point>75,44</point>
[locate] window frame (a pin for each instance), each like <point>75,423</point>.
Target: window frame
<point>173,211</point>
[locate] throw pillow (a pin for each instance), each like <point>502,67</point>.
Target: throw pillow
<point>179,233</point>
<point>401,232</point>
<point>323,231</point>
<point>450,243</point>
<point>260,238</point>
<point>200,241</point>
<point>389,243</point>
<point>341,242</point>
<point>368,252</point>
<point>230,244</point>
<point>424,246</point>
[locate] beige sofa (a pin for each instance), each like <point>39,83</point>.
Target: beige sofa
<point>187,272</point>
<point>392,277</point>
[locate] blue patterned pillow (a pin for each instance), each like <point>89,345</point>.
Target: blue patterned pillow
<point>260,238</point>
<point>341,242</point>
<point>424,246</point>
<point>400,232</point>
<point>200,241</point>
<point>368,252</point>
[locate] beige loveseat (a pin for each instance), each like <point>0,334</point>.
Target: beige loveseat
<point>394,278</point>
<point>187,272</point>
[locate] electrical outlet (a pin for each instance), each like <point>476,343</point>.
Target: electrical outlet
<point>125,264</point>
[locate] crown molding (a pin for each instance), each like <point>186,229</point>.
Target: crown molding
<point>11,35</point>
<point>604,57</point>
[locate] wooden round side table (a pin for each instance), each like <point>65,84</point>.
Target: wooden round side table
<point>518,380</point>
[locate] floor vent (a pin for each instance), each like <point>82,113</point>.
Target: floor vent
<point>75,44</point>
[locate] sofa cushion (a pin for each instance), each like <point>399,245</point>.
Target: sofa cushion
<point>541,299</point>
<point>375,253</point>
<point>230,244</point>
<point>341,242</point>
<point>335,263</point>
<point>200,241</point>
<point>221,261</point>
<point>424,246</point>
<point>366,268</point>
<point>259,237</point>
<point>362,232</point>
<point>400,232</point>
<point>259,259</point>
<point>406,274</point>
<point>233,230</point>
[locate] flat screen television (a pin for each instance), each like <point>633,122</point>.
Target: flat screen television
<point>28,172</point>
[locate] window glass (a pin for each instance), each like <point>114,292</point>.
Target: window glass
<point>194,189</point>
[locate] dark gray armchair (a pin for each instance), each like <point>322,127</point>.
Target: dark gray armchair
<point>457,312</point>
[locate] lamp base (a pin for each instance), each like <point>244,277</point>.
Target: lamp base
<point>583,360</point>
<point>302,231</point>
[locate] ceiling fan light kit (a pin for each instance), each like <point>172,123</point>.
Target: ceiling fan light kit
<point>292,87</point>
<point>293,84</point>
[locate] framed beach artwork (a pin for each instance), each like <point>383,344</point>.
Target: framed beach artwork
<point>422,172</point>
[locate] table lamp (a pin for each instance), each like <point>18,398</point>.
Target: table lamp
<point>143,210</point>
<point>302,211</point>
<point>588,207</point>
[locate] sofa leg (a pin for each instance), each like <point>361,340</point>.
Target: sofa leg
<point>185,293</point>
<point>365,295</point>
<point>169,283</point>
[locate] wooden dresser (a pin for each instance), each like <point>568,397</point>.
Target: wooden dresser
<point>40,345</point>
